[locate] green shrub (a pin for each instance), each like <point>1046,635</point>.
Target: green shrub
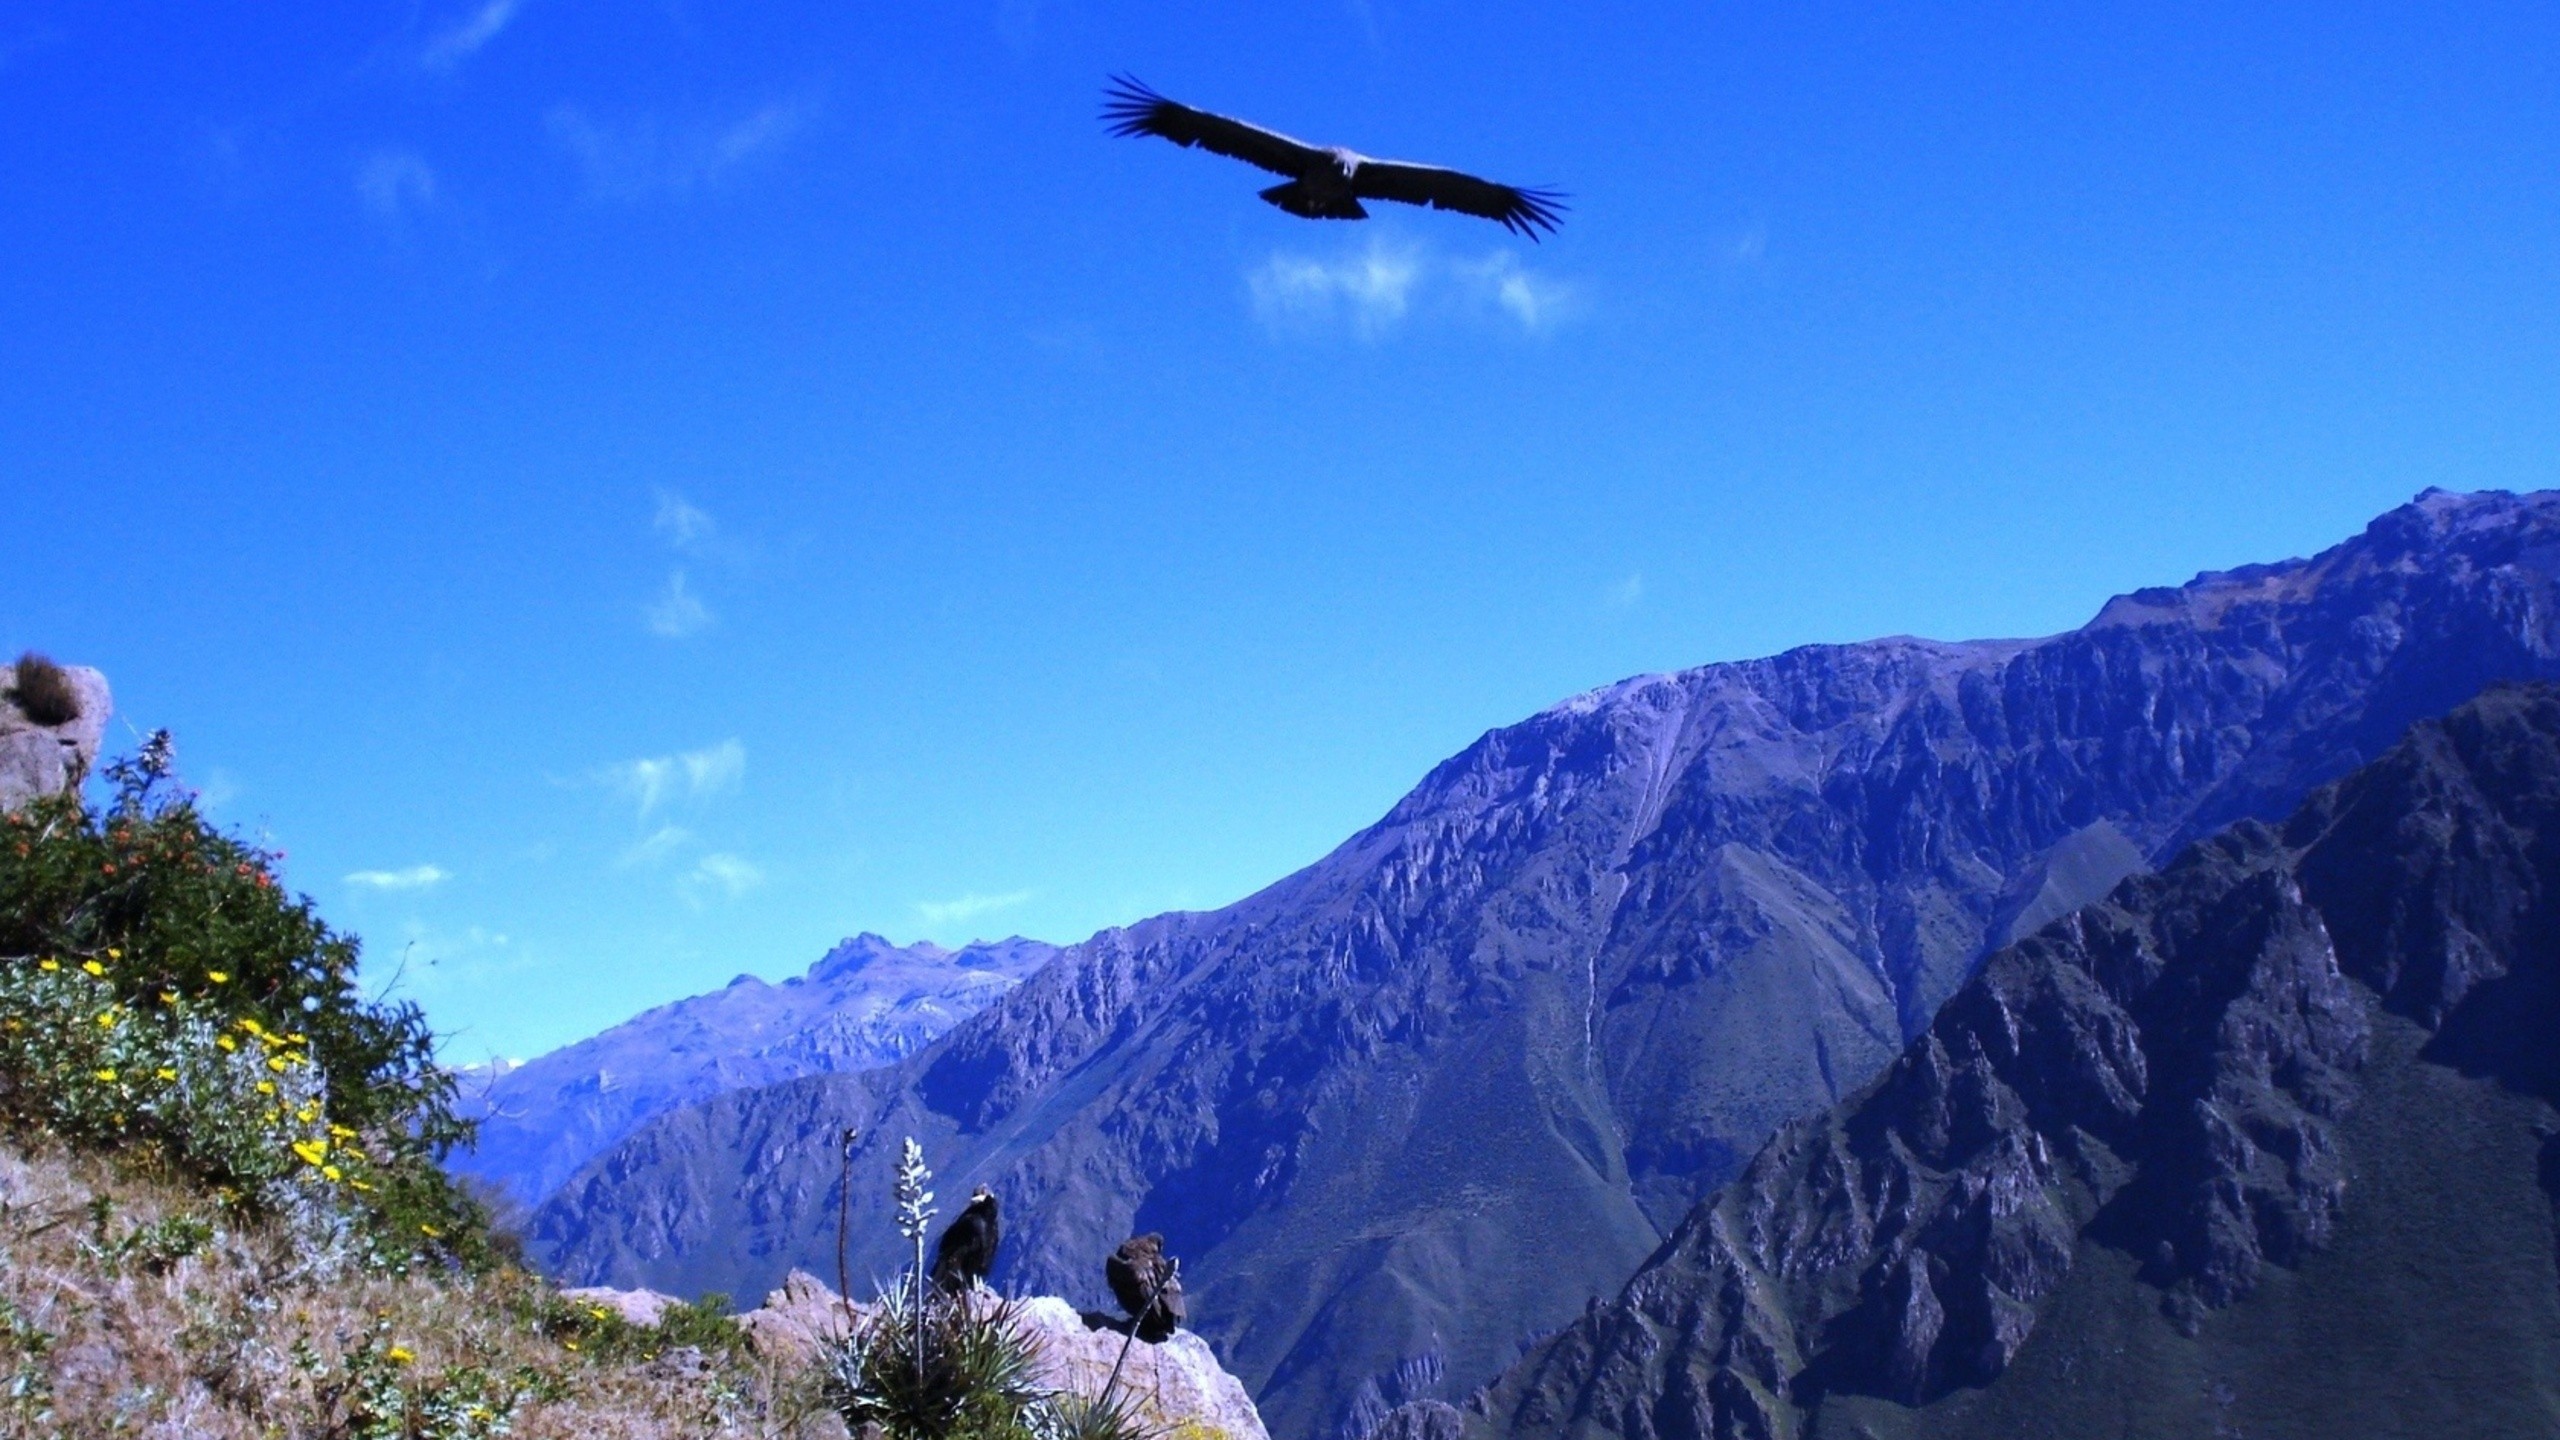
<point>160,990</point>
<point>43,691</point>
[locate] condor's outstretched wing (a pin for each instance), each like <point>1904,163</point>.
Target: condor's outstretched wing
<point>1521,211</point>
<point>1133,109</point>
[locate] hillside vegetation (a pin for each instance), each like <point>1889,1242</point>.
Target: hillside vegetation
<point>221,1212</point>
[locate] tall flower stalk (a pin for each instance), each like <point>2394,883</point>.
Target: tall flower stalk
<point>915,1213</point>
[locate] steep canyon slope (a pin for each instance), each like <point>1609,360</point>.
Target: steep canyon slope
<point>1419,1100</point>
<point>2261,1145</point>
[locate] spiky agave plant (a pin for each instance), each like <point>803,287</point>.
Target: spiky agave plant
<point>974,1382</point>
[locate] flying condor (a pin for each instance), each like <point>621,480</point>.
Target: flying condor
<point>1327,183</point>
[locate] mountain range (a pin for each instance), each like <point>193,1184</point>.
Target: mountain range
<point>864,1003</point>
<point>1419,1104</point>
<point>2265,1144</point>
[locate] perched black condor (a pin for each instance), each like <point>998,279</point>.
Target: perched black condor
<point>967,1251</point>
<point>1327,182</point>
<point>1148,1284</point>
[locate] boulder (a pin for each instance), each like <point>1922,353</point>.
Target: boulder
<point>640,1307</point>
<point>798,1318</point>
<point>1180,1390</point>
<point>47,759</point>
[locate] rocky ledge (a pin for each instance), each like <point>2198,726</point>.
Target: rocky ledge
<point>1180,1388</point>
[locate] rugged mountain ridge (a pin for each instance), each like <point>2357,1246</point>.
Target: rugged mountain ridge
<point>865,1003</point>
<point>1419,1100</point>
<point>2163,1088</point>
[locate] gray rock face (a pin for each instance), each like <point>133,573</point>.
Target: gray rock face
<point>2164,1074</point>
<point>865,1003</point>
<point>1175,1388</point>
<point>1428,1095</point>
<point>48,759</point>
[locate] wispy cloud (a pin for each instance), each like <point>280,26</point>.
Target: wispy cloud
<point>416,877</point>
<point>655,846</point>
<point>683,523</point>
<point>688,529</point>
<point>1374,290</point>
<point>1534,300</point>
<point>968,907</point>
<point>690,775</point>
<point>463,39</point>
<point>1369,291</point>
<point>677,612</point>
<point>1625,594</point>
<point>640,158</point>
<point>395,185</point>
<point>724,873</point>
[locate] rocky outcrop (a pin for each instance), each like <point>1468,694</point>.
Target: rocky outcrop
<point>1430,1094</point>
<point>864,1003</point>
<point>2166,1074</point>
<point>1177,1386</point>
<point>46,759</point>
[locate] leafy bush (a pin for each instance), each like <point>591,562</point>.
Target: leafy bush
<point>159,989</point>
<point>44,692</point>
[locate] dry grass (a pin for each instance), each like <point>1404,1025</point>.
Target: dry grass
<point>43,691</point>
<point>131,1306</point>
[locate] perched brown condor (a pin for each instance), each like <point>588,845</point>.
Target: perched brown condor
<point>1327,183</point>
<point>1148,1284</point>
<point>967,1251</point>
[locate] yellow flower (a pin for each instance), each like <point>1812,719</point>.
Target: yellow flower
<point>93,967</point>
<point>360,1185</point>
<point>48,964</point>
<point>309,1112</point>
<point>168,997</point>
<point>108,1074</point>
<point>572,1344</point>
<point>249,1025</point>
<point>165,1073</point>
<point>218,977</point>
<point>431,1232</point>
<point>114,954</point>
<point>226,1042</point>
<point>276,1063</point>
<point>266,1087</point>
<point>311,1151</point>
<point>341,1132</point>
<point>400,1355</point>
<point>332,1172</point>
<point>106,1019</point>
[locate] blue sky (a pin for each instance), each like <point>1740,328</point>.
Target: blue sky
<point>626,494</point>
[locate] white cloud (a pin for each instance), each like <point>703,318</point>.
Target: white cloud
<point>1379,287</point>
<point>1627,592</point>
<point>395,184</point>
<point>655,846</point>
<point>726,873</point>
<point>683,523</point>
<point>691,775</point>
<point>640,158</point>
<point>677,612</point>
<point>416,877</point>
<point>968,907</point>
<point>1369,291</point>
<point>1532,299</point>
<point>464,40</point>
